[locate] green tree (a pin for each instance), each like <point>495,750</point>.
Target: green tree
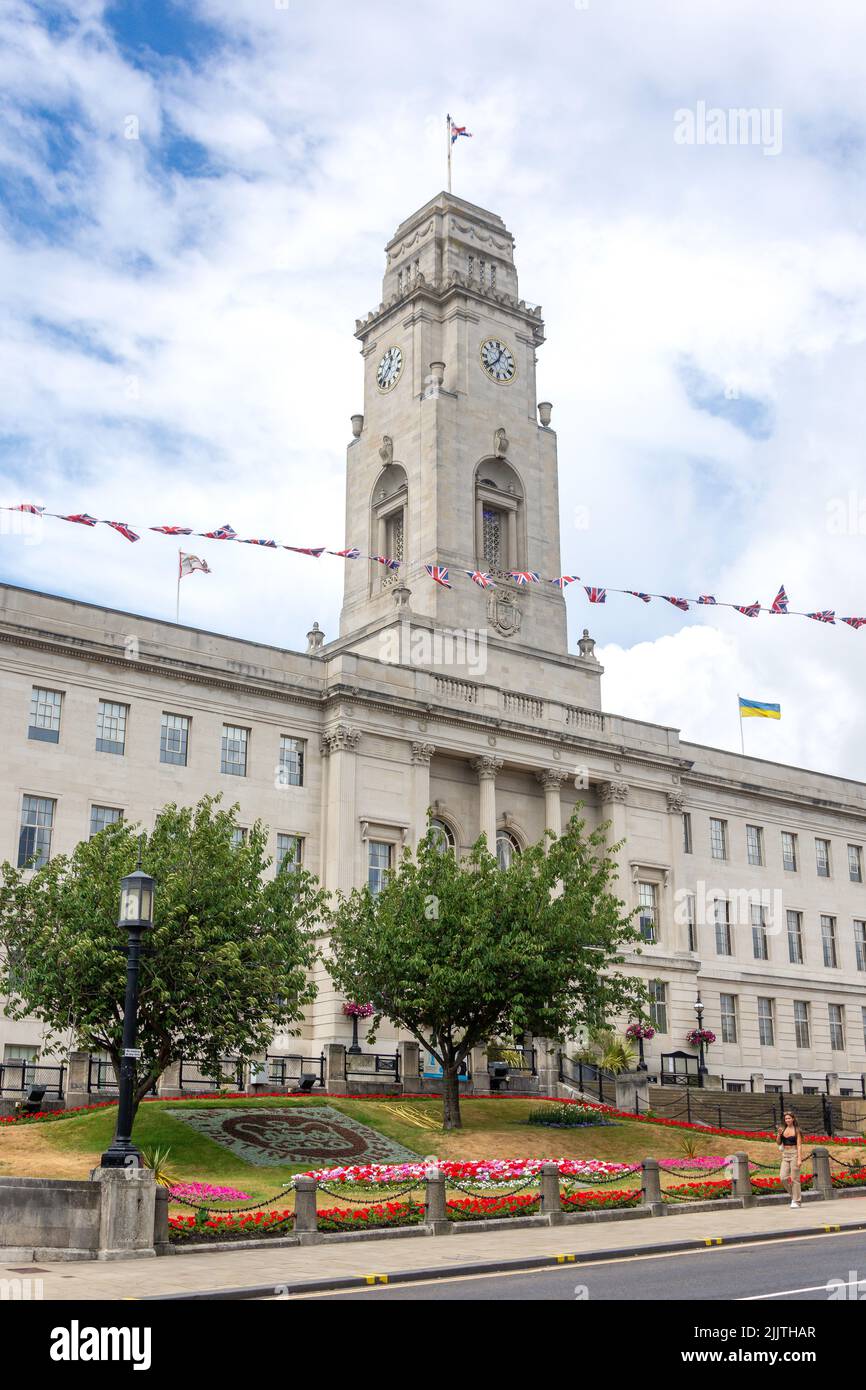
<point>224,967</point>
<point>460,953</point>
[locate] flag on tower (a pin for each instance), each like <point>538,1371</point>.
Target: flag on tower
<point>439,575</point>
<point>595,595</point>
<point>351,554</point>
<point>524,576</point>
<point>188,564</point>
<point>384,560</point>
<point>480,578</point>
<point>457,131</point>
<point>564,580</point>
<point>756,709</point>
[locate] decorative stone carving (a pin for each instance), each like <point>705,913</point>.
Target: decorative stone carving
<point>386,452</point>
<point>402,596</point>
<point>676,803</point>
<point>552,776</point>
<point>586,646</point>
<point>544,412</point>
<point>422,753</point>
<point>344,738</point>
<point>613,791</point>
<point>503,612</point>
<point>357,426</point>
<point>315,639</point>
<point>500,443</point>
<point>487,767</point>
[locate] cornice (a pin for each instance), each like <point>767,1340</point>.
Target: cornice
<point>736,787</point>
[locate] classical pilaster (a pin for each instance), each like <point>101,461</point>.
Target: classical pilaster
<point>339,747</point>
<point>613,797</point>
<point>421,753</point>
<point>551,779</point>
<point>487,767</point>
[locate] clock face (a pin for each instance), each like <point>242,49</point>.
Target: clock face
<point>497,359</point>
<point>389,369</point>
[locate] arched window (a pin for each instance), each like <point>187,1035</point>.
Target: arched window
<point>499,519</point>
<point>506,848</point>
<point>443,836</point>
<point>388,529</point>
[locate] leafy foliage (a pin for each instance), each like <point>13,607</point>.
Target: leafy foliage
<point>224,966</point>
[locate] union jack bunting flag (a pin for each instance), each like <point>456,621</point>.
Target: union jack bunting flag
<point>222,533</point>
<point>122,527</point>
<point>681,603</point>
<point>81,517</point>
<point>854,622</point>
<point>351,554</point>
<point>595,595</point>
<point>636,594</point>
<point>439,575</point>
<point>780,602</point>
<point>383,560</point>
<point>315,550</point>
<point>272,545</point>
<point>480,578</point>
<point>26,507</point>
<point>524,576</point>
<point>706,598</point>
<point>172,530</point>
<point>564,580</point>
<point>827,616</point>
<point>750,610</point>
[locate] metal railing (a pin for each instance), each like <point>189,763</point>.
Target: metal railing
<point>516,1058</point>
<point>192,1076</point>
<point>589,1078</point>
<point>379,1065</point>
<point>19,1076</point>
<point>282,1068</point>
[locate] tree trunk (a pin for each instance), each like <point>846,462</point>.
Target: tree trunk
<point>451,1096</point>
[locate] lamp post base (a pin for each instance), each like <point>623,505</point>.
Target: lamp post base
<point>122,1154</point>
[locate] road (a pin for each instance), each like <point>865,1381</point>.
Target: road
<point>784,1271</point>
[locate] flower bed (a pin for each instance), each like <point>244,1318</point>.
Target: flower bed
<point>564,1116</point>
<point>481,1208</point>
<point>240,1226</point>
<point>854,1178</point>
<point>698,1191</point>
<point>608,1200</point>
<point>482,1172</point>
<point>771,1185</point>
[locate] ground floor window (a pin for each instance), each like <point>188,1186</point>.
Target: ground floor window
<point>379,853</point>
<point>658,992</point>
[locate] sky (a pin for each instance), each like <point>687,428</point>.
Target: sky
<point>194,202</point>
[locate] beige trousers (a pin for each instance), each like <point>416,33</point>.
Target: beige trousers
<point>790,1175</point>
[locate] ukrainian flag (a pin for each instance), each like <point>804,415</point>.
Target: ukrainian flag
<point>756,709</point>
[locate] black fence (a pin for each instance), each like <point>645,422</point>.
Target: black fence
<point>193,1076</point>
<point>101,1075</point>
<point>377,1066</point>
<point>17,1077</point>
<point>517,1058</point>
<point>588,1077</point>
<point>284,1070</point>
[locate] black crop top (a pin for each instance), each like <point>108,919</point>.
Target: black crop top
<point>789,1140</point>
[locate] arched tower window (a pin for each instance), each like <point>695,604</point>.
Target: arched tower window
<point>499,517</point>
<point>388,529</point>
<point>506,848</point>
<point>443,836</point>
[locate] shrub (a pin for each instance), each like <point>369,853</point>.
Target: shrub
<point>564,1116</point>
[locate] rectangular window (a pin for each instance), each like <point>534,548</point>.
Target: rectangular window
<point>828,942</point>
<point>658,993</point>
<point>728,1010</point>
<point>822,858</point>
<point>723,927</point>
<point>101,816</point>
<point>760,949</point>
<point>802,1031</point>
<point>111,727</point>
<point>691,923</point>
<point>718,838</point>
<point>291,761</point>
<point>174,739</point>
<point>233,759</point>
<point>863,1013</point>
<point>45,715</point>
<point>795,937</point>
<point>755,844</point>
<point>789,851</point>
<point>860,944</point>
<point>766,1025</point>
<point>37,824</point>
<point>647,916</point>
<point>239,835</point>
<point>491,540</point>
<point>837,1027</point>
<point>687,832</point>
<point>855,863</point>
<point>290,852</point>
<point>378,864</point>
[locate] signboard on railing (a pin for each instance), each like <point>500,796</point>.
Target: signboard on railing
<point>432,1070</point>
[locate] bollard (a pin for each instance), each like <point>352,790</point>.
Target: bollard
<point>551,1202</point>
<point>306,1219</point>
<point>823,1182</point>
<point>434,1201</point>
<point>741,1178</point>
<point>651,1187</point>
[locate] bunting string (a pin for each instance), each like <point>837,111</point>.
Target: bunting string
<point>439,574</point>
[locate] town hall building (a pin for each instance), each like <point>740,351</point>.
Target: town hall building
<point>748,875</point>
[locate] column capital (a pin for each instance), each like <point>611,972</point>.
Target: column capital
<point>676,803</point>
<point>613,791</point>
<point>342,738</point>
<point>552,777</point>
<point>487,767</point>
<point>423,752</point>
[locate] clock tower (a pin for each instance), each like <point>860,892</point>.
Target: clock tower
<point>453,461</point>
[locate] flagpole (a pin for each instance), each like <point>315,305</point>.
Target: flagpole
<point>177,607</point>
<point>742,740</point>
<point>448,146</point>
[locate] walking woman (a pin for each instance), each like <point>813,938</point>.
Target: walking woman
<point>790,1142</point>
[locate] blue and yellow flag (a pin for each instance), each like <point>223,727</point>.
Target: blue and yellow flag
<point>756,709</point>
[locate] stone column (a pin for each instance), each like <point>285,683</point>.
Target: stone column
<point>551,779</point>
<point>340,746</point>
<point>741,1178</point>
<point>306,1219</point>
<point>127,1212</point>
<point>421,754</point>
<point>795,1082</point>
<point>335,1068</point>
<point>169,1083</point>
<point>613,797</point>
<point>632,1092</point>
<point>77,1079</point>
<point>823,1183</point>
<point>434,1200</point>
<point>410,1067</point>
<point>832,1083</point>
<point>758,1085</point>
<point>487,768</point>
<point>480,1075</point>
<point>651,1187</point>
<point>551,1201</point>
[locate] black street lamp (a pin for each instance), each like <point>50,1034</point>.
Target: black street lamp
<point>136,914</point>
<point>641,1066</point>
<point>702,1066</point>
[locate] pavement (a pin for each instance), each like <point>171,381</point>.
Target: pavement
<point>344,1264</point>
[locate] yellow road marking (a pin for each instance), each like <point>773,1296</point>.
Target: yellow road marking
<point>713,1240</point>
<point>564,1259</point>
<point>375,1278</point>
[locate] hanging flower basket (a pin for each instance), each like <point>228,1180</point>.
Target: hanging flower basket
<point>353,1010</point>
<point>640,1030</point>
<point>696,1036</point>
